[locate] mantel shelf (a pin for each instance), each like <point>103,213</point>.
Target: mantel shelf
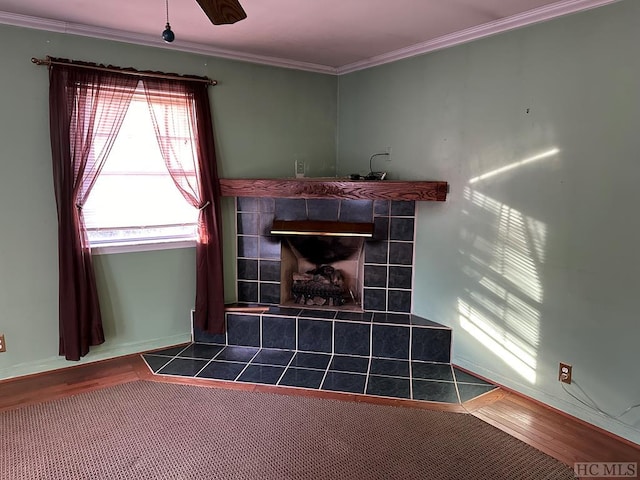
<point>335,188</point>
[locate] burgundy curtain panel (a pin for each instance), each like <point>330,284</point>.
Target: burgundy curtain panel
<point>83,105</point>
<point>184,112</point>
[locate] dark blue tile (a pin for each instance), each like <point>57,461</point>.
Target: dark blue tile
<point>432,371</point>
<point>201,350</point>
<point>423,322</point>
<point>278,332</point>
<point>381,208</point>
<point>269,271</point>
<point>284,311</point>
<point>291,209</point>
<point>400,277</point>
<point>393,318</point>
<point>399,301</point>
<point>247,246</point>
<point>345,363</point>
<point>390,368</point>
<point>261,374</point>
<point>431,344</point>
<point>265,224</point>
<point>401,229</point>
<point>352,338</point>
<point>317,361</point>
<point>354,316</point>
<point>156,362</point>
<point>390,341</point>
<point>375,276</point>
<point>469,391</point>
<point>401,208</point>
<point>248,223</point>
<point>237,354</point>
<point>186,367</point>
<point>401,253</point>
<point>269,248</point>
<point>375,299</point>
<point>464,377</point>
<point>266,205</point>
<point>323,314</point>
<point>344,382</point>
<point>389,387</point>
<point>314,335</point>
<point>243,330</point>
<point>356,211</point>
<point>376,252</point>
<point>381,229</point>
<point>434,391</point>
<point>247,269</point>
<point>323,209</point>
<point>222,370</point>
<point>201,336</point>
<point>273,357</point>
<point>247,204</point>
<point>248,292</point>
<point>169,352</point>
<point>269,293</point>
<point>301,377</point>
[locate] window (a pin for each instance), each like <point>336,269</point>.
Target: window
<point>134,199</point>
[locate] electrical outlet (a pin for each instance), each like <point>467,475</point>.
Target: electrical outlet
<point>388,156</point>
<point>3,346</point>
<point>564,373</point>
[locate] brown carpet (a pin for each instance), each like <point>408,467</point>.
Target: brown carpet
<point>147,430</point>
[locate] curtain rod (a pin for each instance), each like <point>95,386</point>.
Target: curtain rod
<point>48,62</point>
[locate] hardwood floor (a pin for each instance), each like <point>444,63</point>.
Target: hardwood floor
<point>558,435</point>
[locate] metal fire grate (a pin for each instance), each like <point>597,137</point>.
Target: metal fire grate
<point>323,286</point>
<point>316,293</point>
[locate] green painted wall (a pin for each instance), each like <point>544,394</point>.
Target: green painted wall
<point>536,262</point>
<point>264,118</point>
<point>531,260</point>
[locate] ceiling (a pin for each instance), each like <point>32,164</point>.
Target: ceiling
<point>333,36</point>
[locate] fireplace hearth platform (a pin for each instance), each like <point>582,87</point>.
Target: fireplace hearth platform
<point>378,354</point>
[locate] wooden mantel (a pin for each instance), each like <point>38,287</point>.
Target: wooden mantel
<point>335,188</point>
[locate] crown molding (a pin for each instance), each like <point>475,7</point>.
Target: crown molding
<point>153,41</point>
<point>536,15</point>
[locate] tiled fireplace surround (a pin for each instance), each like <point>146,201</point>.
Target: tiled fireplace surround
<point>388,259</point>
<point>385,329</point>
<point>382,351</point>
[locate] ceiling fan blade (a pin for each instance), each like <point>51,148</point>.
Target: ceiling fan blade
<point>222,12</point>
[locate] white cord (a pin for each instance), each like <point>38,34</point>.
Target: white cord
<point>593,404</point>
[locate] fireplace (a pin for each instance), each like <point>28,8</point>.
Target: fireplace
<point>322,271</point>
<point>374,274</point>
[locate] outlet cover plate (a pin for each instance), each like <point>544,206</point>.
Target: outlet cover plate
<point>564,372</point>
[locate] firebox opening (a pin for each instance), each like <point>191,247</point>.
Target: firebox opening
<point>322,272</point>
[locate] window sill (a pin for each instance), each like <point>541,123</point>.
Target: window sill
<point>149,246</point>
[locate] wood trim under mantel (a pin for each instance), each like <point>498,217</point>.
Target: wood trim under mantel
<point>335,188</point>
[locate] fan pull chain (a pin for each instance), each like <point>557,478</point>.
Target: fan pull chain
<point>168,35</point>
